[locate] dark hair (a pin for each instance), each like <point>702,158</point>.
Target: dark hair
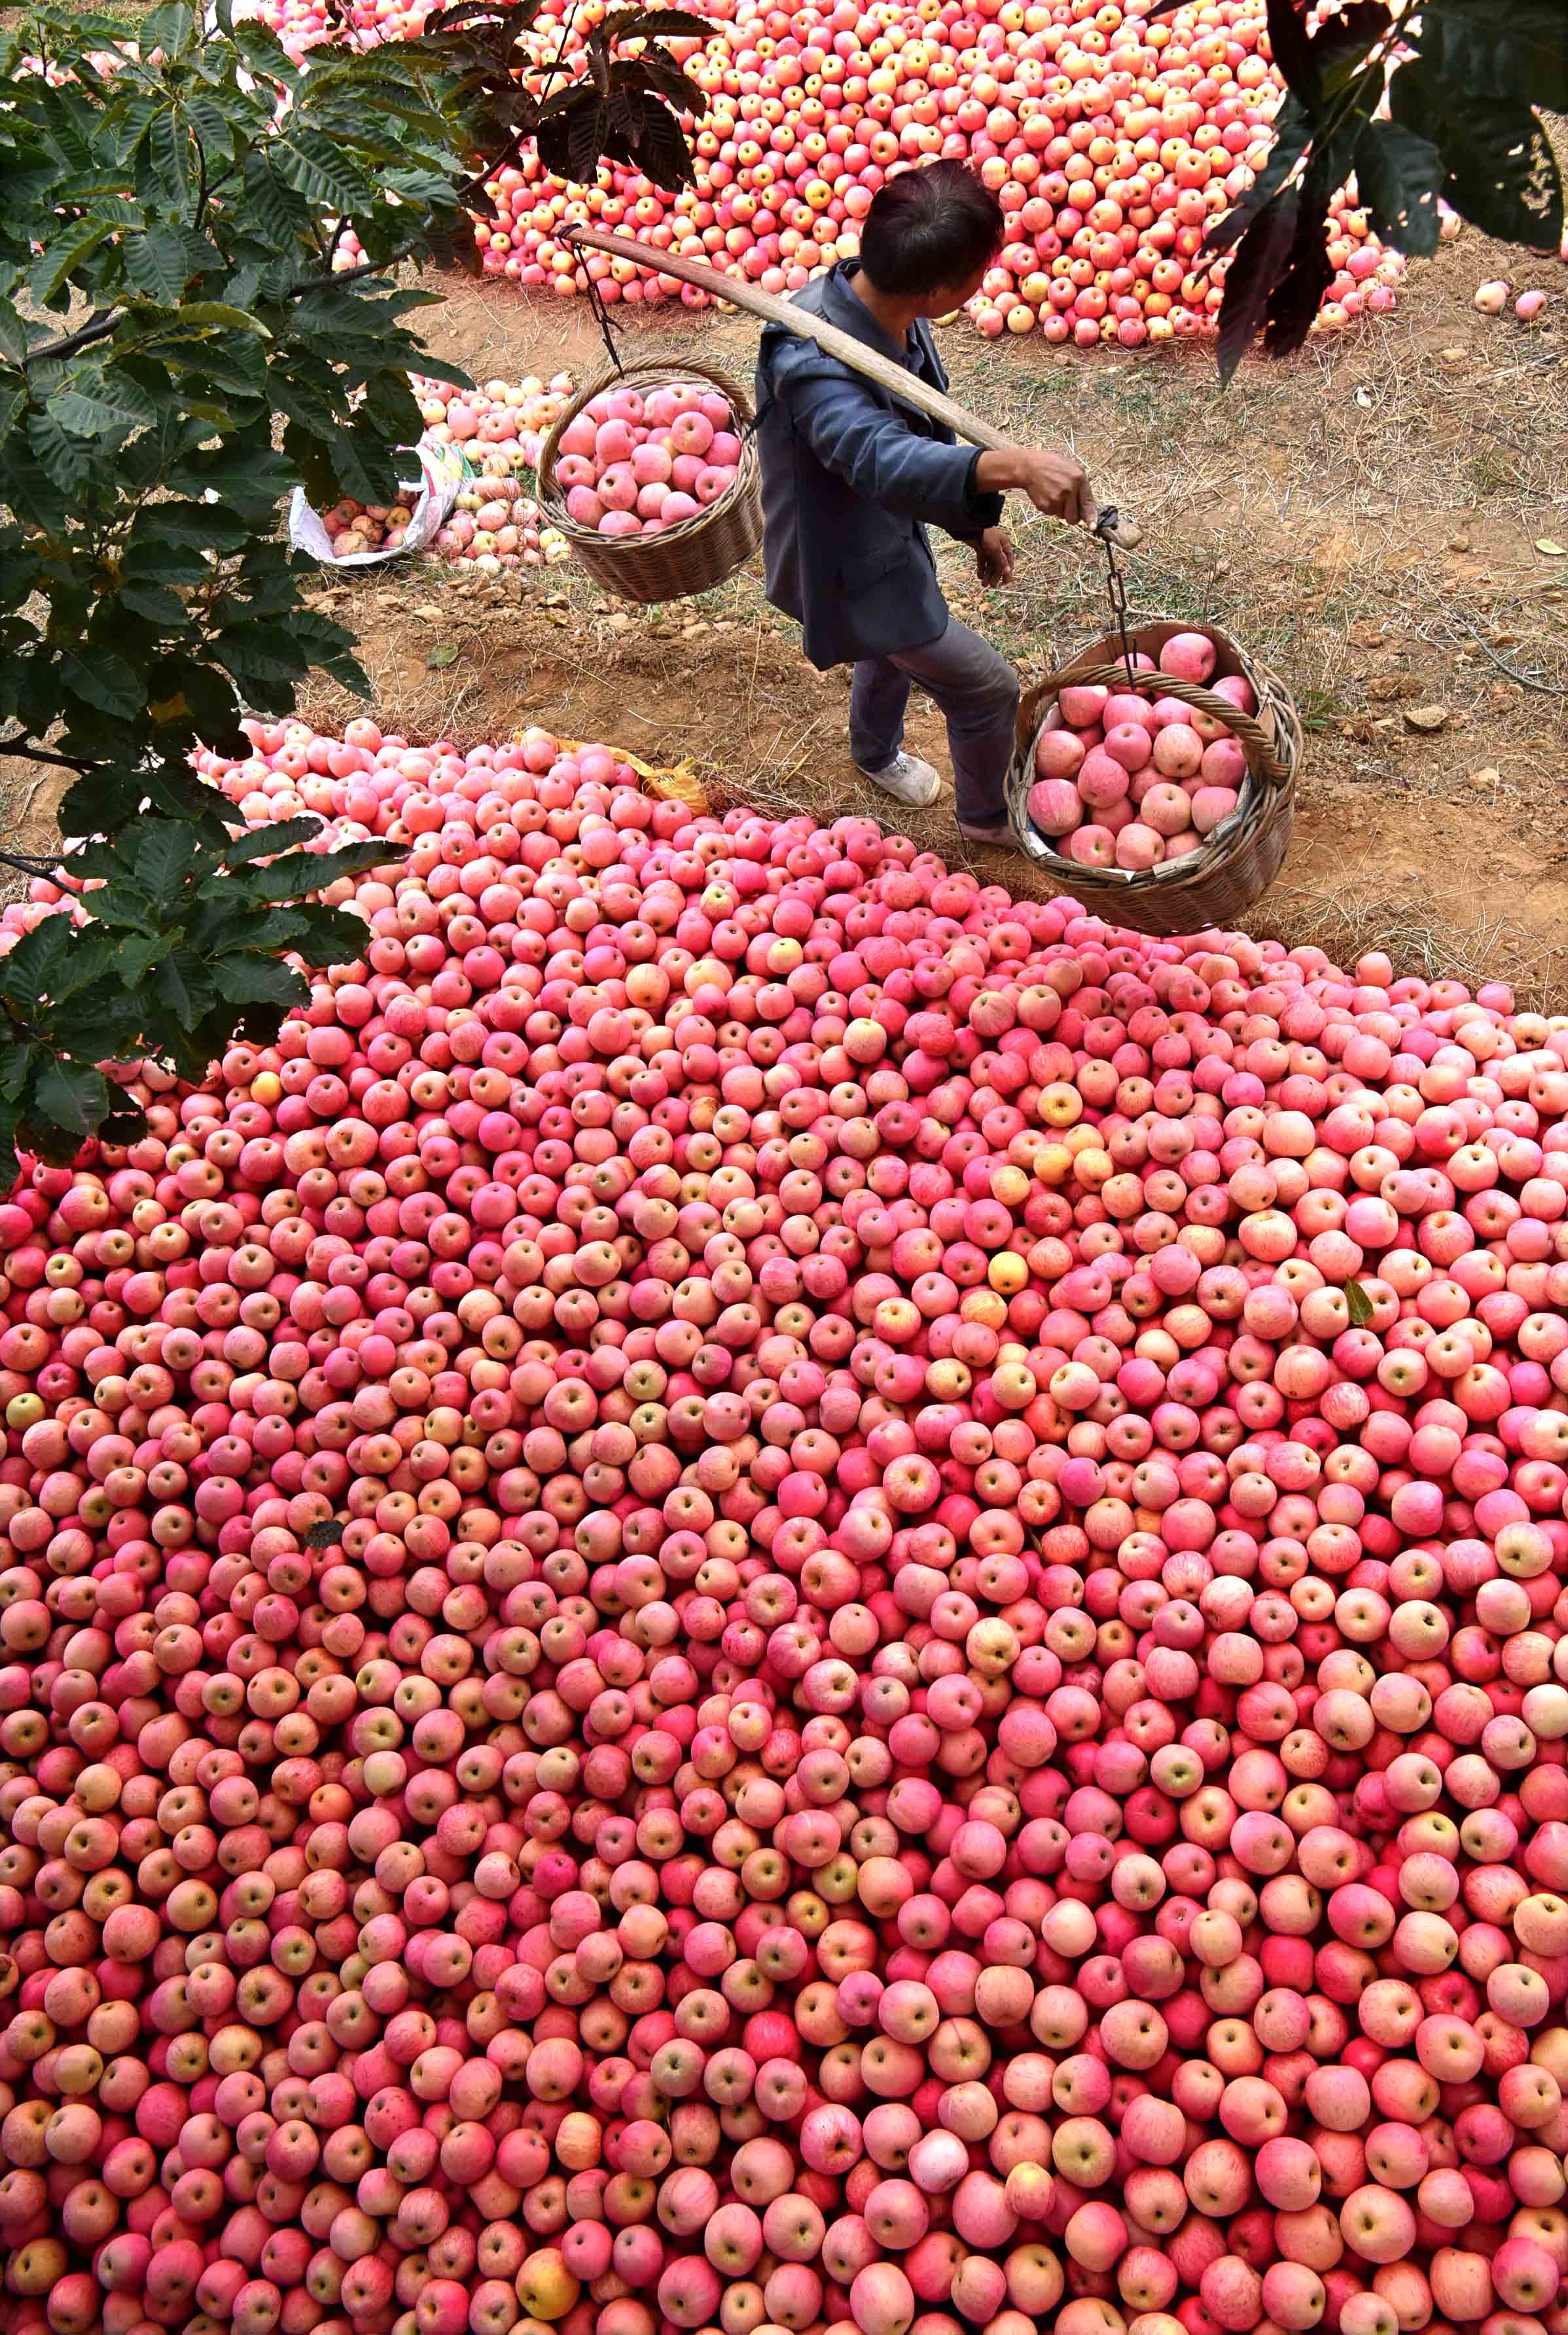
<point>928,229</point>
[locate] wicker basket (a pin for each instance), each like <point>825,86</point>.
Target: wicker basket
<point>1232,867</point>
<point>696,553</point>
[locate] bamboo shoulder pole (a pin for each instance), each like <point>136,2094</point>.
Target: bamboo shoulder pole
<point>903,384</point>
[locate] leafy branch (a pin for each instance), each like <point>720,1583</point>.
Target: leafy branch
<point>1444,105</point>
<point>188,944</point>
<point>180,195</point>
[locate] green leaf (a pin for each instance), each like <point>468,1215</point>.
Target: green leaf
<point>156,604</point>
<point>1293,127</point>
<point>135,958</point>
<point>1340,48</point>
<point>107,683</point>
<point>652,138</point>
<point>165,854</point>
<point>1397,175</point>
<point>62,259</point>
<point>1503,175</point>
<point>304,872</point>
<point>186,981</point>
<point>263,842</point>
<point>202,526</point>
<point>215,133</point>
<point>208,316</point>
<point>171,29</point>
<point>100,404</point>
<point>278,211</point>
<point>440,658</point>
<point>1357,1304</point>
<point>1288,39</point>
<point>312,168</point>
<point>1307,270</point>
<point>652,69</point>
<point>174,162</point>
<point>110,799</point>
<point>585,134</point>
<point>72,1096</point>
<point>13,406</point>
<point>18,1061</point>
<point>54,961</point>
<point>157,263</point>
<point>1517,49</point>
<point>250,980</point>
<point>1262,254</point>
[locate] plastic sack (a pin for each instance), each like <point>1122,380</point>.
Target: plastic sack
<point>431,497</point>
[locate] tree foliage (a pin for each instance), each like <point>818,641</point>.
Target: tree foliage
<point>176,354</point>
<point>1442,101</point>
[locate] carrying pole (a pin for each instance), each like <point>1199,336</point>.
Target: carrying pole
<point>1123,532</point>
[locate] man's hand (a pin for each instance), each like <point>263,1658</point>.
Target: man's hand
<point>994,558</point>
<point>1056,484</point>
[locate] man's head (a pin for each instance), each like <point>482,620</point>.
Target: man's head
<point>930,236</point>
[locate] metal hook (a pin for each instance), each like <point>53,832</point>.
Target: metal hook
<point>1105,527</point>
<point>600,308</point>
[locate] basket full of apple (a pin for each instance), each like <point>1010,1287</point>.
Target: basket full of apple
<point>1156,773</point>
<point>651,475</point>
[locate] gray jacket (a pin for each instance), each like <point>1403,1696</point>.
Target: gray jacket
<point>849,474</point>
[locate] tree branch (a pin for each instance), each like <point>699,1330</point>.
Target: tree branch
<point>26,753</point>
<point>509,153</point>
<point>353,275</point>
<point>98,328</point>
<point>107,322</point>
<point>201,186</point>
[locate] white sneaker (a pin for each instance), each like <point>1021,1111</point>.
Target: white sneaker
<point>908,779</point>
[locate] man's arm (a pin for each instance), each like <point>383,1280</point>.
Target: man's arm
<point>1056,484</point>
<point>880,457</point>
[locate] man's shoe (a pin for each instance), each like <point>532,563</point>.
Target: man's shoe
<point>1001,838</point>
<point>908,779</point>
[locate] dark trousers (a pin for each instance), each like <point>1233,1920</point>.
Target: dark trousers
<point>971,684</point>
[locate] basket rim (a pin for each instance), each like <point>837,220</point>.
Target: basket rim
<point>748,470</point>
<point>1265,797</point>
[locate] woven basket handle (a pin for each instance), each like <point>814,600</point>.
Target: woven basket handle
<point>1255,741</point>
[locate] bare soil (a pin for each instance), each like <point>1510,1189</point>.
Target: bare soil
<point>1369,519</point>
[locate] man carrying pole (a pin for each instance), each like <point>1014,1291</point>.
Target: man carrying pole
<point>852,477</point>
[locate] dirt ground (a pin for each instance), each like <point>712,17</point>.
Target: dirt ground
<point>1383,520</point>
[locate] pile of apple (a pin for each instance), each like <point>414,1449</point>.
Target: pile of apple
<point>1112,135</point>
<point>1129,780</point>
<point>356,527</point>
<point>635,465</point>
<point>765,1593</point>
<point>495,523</point>
<point>504,422</point>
